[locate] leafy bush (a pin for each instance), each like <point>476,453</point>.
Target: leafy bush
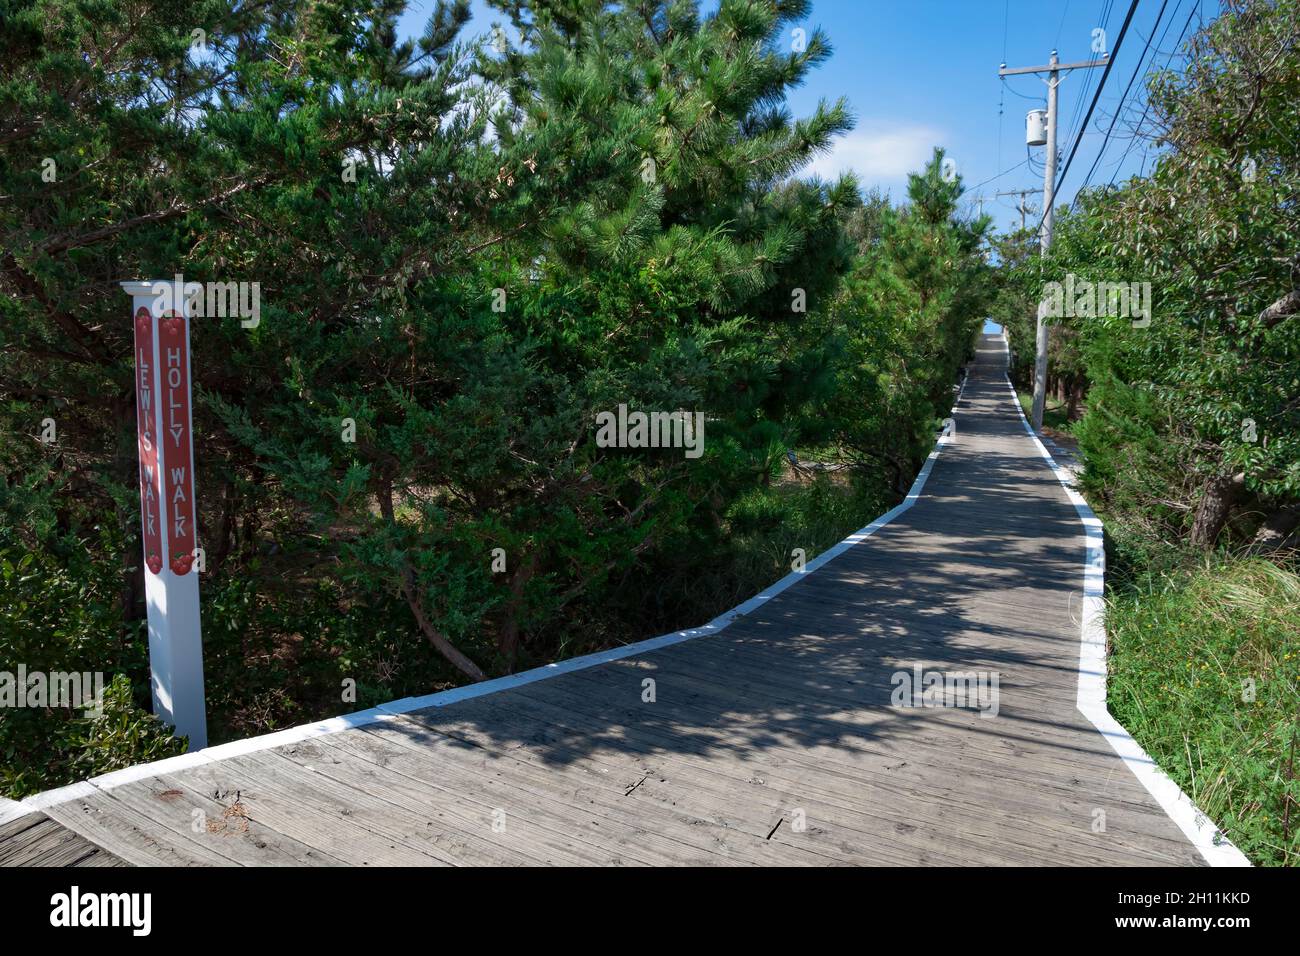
<point>57,614</point>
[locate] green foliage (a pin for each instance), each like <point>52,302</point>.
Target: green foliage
<point>281,648</point>
<point>766,525</point>
<point>57,615</point>
<point>469,252</point>
<point>905,324</point>
<point>1193,422</point>
<point>1190,647</point>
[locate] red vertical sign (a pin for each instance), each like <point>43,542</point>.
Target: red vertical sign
<point>178,476</point>
<point>150,479</point>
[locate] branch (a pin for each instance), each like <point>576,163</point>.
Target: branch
<point>161,215</point>
<point>1281,310</point>
<point>96,351</point>
<point>410,590</point>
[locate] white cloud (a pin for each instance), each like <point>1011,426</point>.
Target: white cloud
<point>880,154</point>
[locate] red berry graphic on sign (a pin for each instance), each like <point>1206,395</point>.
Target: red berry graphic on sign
<point>154,563</point>
<point>143,321</point>
<point>182,564</point>
<point>172,326</point>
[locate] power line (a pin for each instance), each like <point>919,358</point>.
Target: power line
<point>1124,96</point>
<point>1110,61</point>
<point>1001,174</point>
<point>1002,92</point>
<point>1151,69</point>
<point>1103,20</point>
<point>1146,109</point>
<point>1060,26</point>
<point>1107,8</point>
<point>1005,86</point>
<point>1006,23</point>
<point>1034,164</point>
<point>1119,42</point>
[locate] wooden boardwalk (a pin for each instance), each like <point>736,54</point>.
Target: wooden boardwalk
<point>771,742</point>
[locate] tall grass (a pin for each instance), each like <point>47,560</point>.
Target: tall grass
<point>1205,673</point>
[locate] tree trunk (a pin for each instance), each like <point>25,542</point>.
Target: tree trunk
<point>434,636</point>
<point>1076,398</point>
<point>1217,498</point>
<point>897,471</point>
<point>251,523</point>
<point>225,538</point>
<point>508,639</point>
<point>411,592</point>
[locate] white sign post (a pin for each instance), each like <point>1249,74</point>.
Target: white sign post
<point>167,504</point>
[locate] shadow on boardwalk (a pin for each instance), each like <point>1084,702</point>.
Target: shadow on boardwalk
<point>772,742</point>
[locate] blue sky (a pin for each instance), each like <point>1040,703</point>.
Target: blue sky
<point>921,73</point>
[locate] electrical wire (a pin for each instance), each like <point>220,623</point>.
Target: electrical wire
<point>1105,74</point>
<point>1034,164</point>
<point>1006,25</point>
<point>1001,174</point>
<point>1119,42</point>
<point>1060,26</point>
<point>1002,92</point>
<point>1143,93</point>
<point>1124,96</point>
<point>1147,108</point>
<point>1107,8</point>
<point>1007,87</point>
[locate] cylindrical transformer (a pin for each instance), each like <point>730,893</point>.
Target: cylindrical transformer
<point>1036,128</point>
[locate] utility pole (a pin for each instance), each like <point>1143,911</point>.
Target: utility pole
<point>1053,69</point>
<point>1022,207</point>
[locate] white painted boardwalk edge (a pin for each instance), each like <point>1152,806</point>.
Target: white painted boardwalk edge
<point>77,791</point>
<point>1196,826</point>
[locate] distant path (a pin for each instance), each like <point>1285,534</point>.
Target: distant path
<point>770,742</point>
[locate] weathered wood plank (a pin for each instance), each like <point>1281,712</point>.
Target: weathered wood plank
<point>127,834</point>
<point>462,809</point>
<point>19,824</point>
<point>667,834</point>
<point>785,716</point>
<point>171,801</point>
<point>344,827</point>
